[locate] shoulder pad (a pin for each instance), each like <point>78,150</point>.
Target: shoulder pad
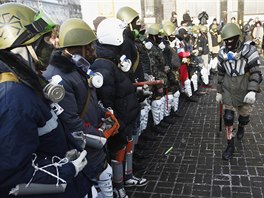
<point>248,47</point>
<point>221,54</point>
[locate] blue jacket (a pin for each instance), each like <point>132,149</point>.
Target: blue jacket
<point>28,126</point>
<point>76,92</point>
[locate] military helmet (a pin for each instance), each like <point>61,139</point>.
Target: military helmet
<point>75,32</point>
<point>153,29</point>
<point>230,30</point>
<point>195,29</point>
<point>203,28</point>
<point>126,14</point>
<point>169,28</point>
<point>21,25</point>
<point>214,27</point>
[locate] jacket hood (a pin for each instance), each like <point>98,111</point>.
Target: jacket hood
<point>108,52</point>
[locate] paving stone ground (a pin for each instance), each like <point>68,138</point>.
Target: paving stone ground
<point>194,167</point>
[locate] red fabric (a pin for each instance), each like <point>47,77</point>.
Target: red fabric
<point>183,73</point>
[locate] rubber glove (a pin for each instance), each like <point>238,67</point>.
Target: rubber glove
<point>80,162</point>
<point>250,98</point>
<point>218,97</point>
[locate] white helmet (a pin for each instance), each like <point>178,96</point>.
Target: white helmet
<point>110,31</point>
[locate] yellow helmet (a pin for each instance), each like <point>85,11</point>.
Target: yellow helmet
<point>21,25</point>
<point>154,29</point>
<point>126,14</point>
<point>75,32</point>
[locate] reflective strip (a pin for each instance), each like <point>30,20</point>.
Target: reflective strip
<point>50,125</point>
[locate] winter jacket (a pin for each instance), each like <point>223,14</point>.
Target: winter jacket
<point>117,91</point>
<point>239,76</point>
<point>29,129</point>
<point>74,81</point>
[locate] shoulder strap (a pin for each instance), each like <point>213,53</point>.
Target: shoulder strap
<point>135,65</point>
<point>86,103</point>
<point>8,77</point>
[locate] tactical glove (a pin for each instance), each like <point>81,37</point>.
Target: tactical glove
<point>218,97</point>
<point>80,162</point>
<point>250,97</point>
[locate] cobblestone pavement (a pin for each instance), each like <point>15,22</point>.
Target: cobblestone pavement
<point>194,167</point>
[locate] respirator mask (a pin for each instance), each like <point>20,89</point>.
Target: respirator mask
<point>95,79</point>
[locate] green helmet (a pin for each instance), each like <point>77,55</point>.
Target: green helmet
<point>126,14</point>
<point>195,29</point>
<point>154,29</point>
<point>230,30</point>
<point>75,32</point>
<point>214,27</point>
<point>203,28</point>
<point>169,28</point>
<point>21,25</point>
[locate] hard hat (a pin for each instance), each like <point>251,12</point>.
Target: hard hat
<point>230,30</point>
<point>153,29</point>
<point>75,32</point>
<point>126,14</point>
<point>110,31</point>
<point>169,28</point>
<point>21,25</point>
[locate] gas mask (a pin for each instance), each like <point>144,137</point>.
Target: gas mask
<point>162,46</point>
<point>125,63</point>
<point>94,79</point>
<point>148,45</point>
<point>53,90</point>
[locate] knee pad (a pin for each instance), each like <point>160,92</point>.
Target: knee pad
<point>243,120</point>
<point>229,117</point>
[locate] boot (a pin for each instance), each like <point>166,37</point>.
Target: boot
<point>228,153</point>
<point>168,120</point>
<point>240,132</point>
<point>176,114</point>
<point>163,124</point>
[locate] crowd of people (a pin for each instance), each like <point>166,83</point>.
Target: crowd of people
<point>77,103</point>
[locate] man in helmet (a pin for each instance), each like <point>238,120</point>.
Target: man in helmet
<point>214,41</point>
<point>82,114</point>
<point>118,93</point>
<point>35,147</point>
<point>238,82</point>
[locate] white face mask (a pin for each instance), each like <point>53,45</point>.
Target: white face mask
<point>125,63</point>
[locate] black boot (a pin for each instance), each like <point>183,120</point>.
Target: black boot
<point>228,153</point>
<point>240,132</point>
<point>168,120</point>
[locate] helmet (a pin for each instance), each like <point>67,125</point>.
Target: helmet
<point>195,29</point>
<point>110,31</point>
<point>75,32</point>
<point>182,31</point>
<point>169,28</point>
<point>126,14</point>
<point>230,30</point>
<point>21,25</point>
<point>214,27</point>
<point>203,28</point>
<point>154,29</point>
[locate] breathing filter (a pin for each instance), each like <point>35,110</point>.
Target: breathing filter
<point>125,63</point>
<point>53,90</point>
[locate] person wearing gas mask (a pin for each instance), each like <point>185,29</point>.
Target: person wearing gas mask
<point>159,71</point>
<point>140,71</point>
<point>38,155</point>
<point>238,82</point>
<point>82,113</point>
<point>173,61</point>
<point>117,93</point>
<point>214,41</point>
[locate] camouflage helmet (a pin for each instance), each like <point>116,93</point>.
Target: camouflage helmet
<point>195,29</point>
<point>75,32</point>
<point>126,14</point>
<point>230,30</point>
<point>169,28</point>
<point>154,29</point>
<point>203,28</point>
<point>21,25</point>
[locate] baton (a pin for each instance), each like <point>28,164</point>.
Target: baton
<point>220,116</point>
<point>154,82</point>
